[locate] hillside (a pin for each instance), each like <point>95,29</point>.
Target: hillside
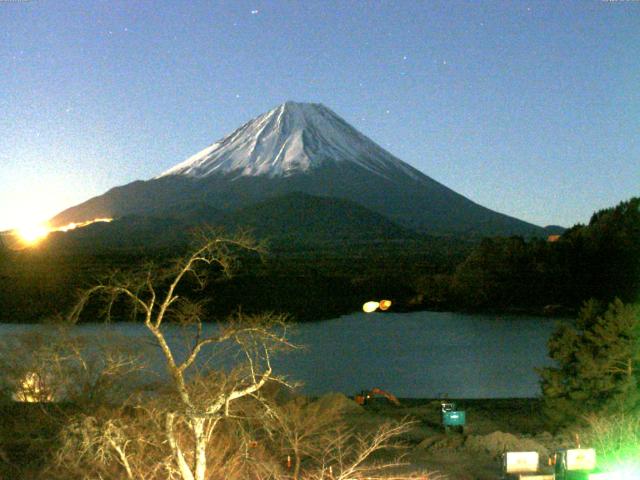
<point>303,148</point>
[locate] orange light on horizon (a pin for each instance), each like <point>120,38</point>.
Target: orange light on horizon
<point>32,234</point>
<point>29,235</point>
<point>74,225</point>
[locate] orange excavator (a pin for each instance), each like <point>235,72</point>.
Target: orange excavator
<point>366,395</point>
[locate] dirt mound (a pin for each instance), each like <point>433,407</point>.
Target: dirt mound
<point>339,402</point>
<point>494,443</point>
<point>497,443</point>
<point>442,442</point>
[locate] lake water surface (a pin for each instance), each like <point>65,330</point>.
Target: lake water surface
<point>419,354</point>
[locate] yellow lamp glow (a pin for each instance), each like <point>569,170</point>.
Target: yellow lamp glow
<point>385,304</point>
<point>33,388</point>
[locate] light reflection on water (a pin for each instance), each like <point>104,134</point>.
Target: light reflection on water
<point>419,354</point>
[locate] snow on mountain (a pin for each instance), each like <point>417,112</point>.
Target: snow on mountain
<point>307,148</point>
<point>292,138</point>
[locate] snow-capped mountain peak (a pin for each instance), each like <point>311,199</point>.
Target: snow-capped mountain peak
<point>300,148</point>
<point>290,139</point>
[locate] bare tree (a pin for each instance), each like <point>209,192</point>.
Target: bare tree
<point>52,364</point>
<point>301,429</point>
<point>196,410</point>
<point>347,454</point>
<point>213,422</point>
<point>325,440</point>
<point>617,440</point>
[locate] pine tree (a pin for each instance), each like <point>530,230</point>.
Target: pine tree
<point>597,364</point>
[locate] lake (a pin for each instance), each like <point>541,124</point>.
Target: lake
<point>412,355</point>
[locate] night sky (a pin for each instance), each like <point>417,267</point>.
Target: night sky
<point>529,108</point>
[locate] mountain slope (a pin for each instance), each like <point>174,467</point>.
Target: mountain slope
<point>292,218</point>
<point>298,216</point>
<point>303,148</point>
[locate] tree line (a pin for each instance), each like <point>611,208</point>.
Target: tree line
<point>599,260</point>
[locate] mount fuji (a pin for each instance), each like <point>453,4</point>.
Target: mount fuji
<point>293,138</point>
<point>308,149</point>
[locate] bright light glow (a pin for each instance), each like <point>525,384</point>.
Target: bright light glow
<point>33,389</point>
<point>370,307</point>
<point>603,476</point>
<point>33,200</point>
<point>629,473</point>
<point>626,472</point>
<point>73,225</point>
<point>611,476</point>
<point>32,234</point>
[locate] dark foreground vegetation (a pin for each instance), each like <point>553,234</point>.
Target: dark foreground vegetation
<point>34,438</point>
<point>312,279</point>
<point>78,407</point>
<point>105,417</point>
<point>46,440</point>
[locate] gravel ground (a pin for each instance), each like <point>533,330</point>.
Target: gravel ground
<point>493,426</point>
